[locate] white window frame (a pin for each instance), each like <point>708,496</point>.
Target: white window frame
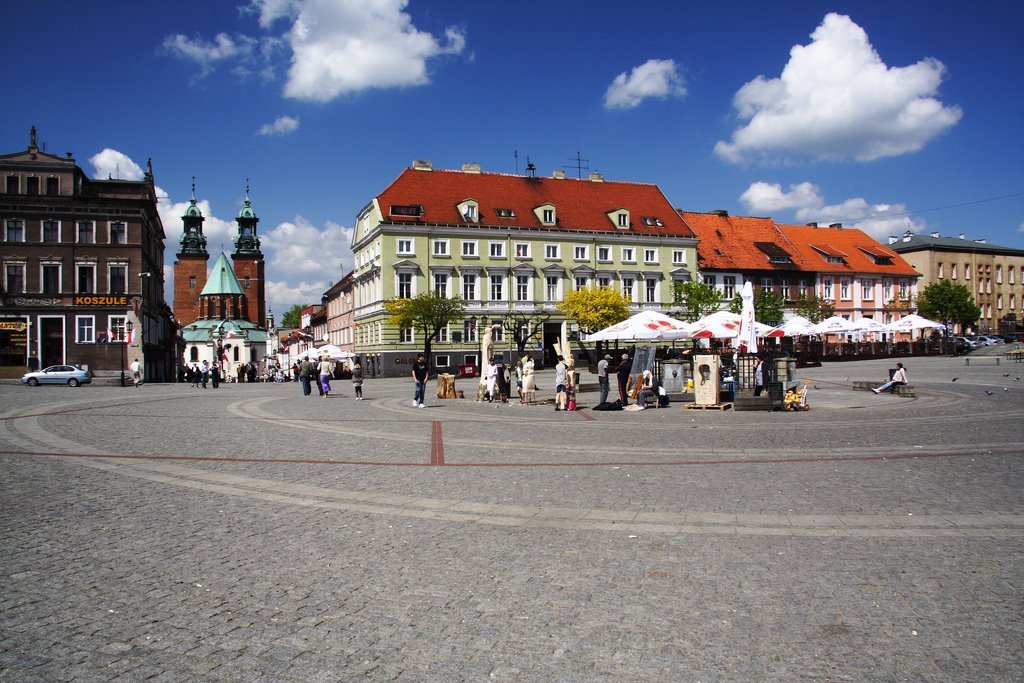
<point>650,255</point>
<point>524,287</point>
<point>116,328</point>
<point>627,254</point>
<point>110,277</point>
<point>406,336</point>
<point>551,252</point>
<point>651,290</point>
<point>442,360</point>
<point>522,250</point>
<point>110,232</point>
<point>19,265</point>
<point>496,281</point>
<point>581,282</point>
<point>469,283</point>
<point>628,287</point>
<point>844,289</point>
<point>496,249</point>
<point>679,257</point>
<point>827,293</point>
<point>79,267</point>
<point>405,247</point>
<point>42,232</point>
<point>729,287</point>
<point>60,276</point>
<point>85,329</point>
<point>440,284</point>
<point>441,247</point>
<point>604,254</point>
<point>17,224</point>
<point>867,290</point>
<point>78,232</point>
<point>399,285</point>
<point>552,288</point>
<point>469,249</point>
<point>579,252</point>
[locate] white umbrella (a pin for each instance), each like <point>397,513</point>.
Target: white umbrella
<point>834,325</point>
<point>644,326</point>
<point>747,336</point>
<point>714,329</point>
<point>797,326</point>
<point>909,323</point>
<point>330,350</point>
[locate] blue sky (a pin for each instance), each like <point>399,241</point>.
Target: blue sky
<point>888,115</point>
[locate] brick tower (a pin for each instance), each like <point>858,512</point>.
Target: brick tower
<point>249,266</point>
<point>190,268</point>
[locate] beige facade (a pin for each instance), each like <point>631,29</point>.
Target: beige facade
<point>992,273</point>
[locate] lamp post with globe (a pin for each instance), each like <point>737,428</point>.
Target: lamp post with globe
<point>124,346</point>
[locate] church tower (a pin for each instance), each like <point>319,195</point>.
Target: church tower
<point>249,266</point>
<point>190,268</point>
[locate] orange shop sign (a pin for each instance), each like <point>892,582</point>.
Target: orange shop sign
<point>101,300</point>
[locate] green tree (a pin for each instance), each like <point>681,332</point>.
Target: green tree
<point>428,313</point>
<point>293,316</point>
<point>768,306</point>
<point>813,308</point>
<point>595,308</point>
<point>948,303</point>
<point>696,299</point>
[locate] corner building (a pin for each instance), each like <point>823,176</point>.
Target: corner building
<point>507,244</point>
<point>82,265</point>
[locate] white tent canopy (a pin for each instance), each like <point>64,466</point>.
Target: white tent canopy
<point>797,326</point>
<point>330,350</point>
<point>644,326</point>
<point>909,323</point>
<point>834,325</point>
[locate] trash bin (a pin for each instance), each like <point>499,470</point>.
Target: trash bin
<point>467,370</point>
<point>777,393</point>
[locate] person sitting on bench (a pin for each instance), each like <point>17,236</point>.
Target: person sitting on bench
<point>899,378</point>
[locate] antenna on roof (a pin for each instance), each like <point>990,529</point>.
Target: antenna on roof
<point>531,170</point>
<point>581,165</point>
<point>515,153</point>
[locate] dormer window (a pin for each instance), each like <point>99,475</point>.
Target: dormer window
<point>549,216</point>
<point>652,221</point>
<point>469,210</point>
<point>546,214</point>
<point>414,210</point>
<point>830,255</point>
<point>504,213</point>
<point>620,218</point>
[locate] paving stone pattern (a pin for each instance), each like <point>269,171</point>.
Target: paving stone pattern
<point>168,533</point>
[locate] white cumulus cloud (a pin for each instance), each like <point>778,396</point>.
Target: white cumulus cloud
<point>808,205</point>
<point>303,259</point>
<point>346,46</point>
<point>836,99</point>
<point>658,78</point>
<point>282,125</point>
<point>113,164</point>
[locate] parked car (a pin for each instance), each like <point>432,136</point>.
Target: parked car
<point>969,342</point>
<point>57,374</point>
<point>985,340</point>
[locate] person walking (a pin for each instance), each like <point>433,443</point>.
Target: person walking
<point>305,372</point>
<point>623,372</point>
<point>215,374</point>
<point>420,371</point>
<point>326,370</point>
<point>136,367</point>
<point>602,377</point>
<point>898,378</point>
<point>205,373</point>
<point>357,378</point>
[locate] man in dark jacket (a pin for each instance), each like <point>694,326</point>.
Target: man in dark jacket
<point>625,368</point>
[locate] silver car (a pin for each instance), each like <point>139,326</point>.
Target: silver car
<point>58,374</point>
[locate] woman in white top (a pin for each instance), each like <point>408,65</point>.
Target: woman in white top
<point>899,377</point>
<point>325,374</point>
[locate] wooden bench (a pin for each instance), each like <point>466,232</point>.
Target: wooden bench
<point>904,390</point>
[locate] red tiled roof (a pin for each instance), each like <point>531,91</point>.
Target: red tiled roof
<point>741,243</point>
<point>579,204</point>
<point>855,246</point>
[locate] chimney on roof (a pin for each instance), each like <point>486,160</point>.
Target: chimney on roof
<point>907,235</point>
<point>812,225</point>
<point>471,168</point>
<point>963,236</point>
<point>935,234</point>
<point>982,241</point>
<point>422,165</point>
<point>596,177</point>
<point>721,213</point>
<point>559,174</point>
<point>837,226</point>
<point>892,239</point>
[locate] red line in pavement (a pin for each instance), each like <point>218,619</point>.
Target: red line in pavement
<point>436,444</point>
<point>437,458</point>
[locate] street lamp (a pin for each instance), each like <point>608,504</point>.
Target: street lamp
<point>124,346</point>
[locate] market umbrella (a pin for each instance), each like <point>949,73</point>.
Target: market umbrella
<point>909,323</point>
<point>644,326</point>
<point>330,350</point>
<point>714,329</point>
<point>797,326</point>
<point>834,325</point>
<point>747,334</point>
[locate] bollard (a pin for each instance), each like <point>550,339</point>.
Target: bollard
<point>967,361</point>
